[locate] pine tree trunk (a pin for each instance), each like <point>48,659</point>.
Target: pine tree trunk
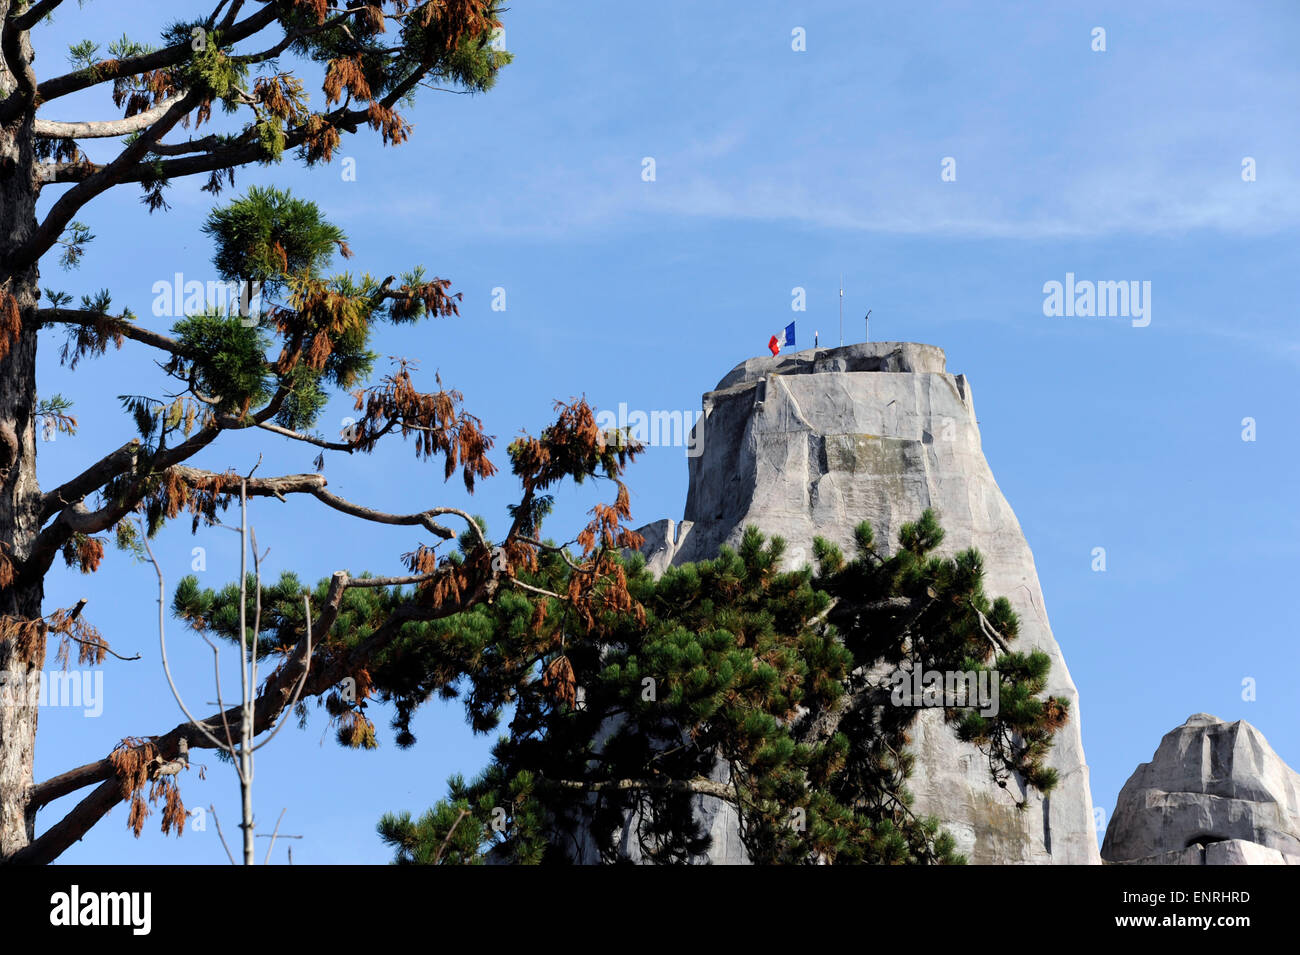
<point>19,492</point>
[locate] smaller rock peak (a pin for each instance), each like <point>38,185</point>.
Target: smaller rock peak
<point>1210,783</point>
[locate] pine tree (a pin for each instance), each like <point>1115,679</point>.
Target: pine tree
<point>779,679</point>
<point>213,94</point>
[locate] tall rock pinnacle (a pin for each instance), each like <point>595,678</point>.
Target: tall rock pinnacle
<point>812,443</point>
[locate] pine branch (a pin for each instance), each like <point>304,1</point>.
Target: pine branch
<point>76,518</point>
<point>202,144</point>
<point>108,70</point>
<point>247,149</point>
<point>243,150</point>
<point>114,324</point>
<point>326,672</point>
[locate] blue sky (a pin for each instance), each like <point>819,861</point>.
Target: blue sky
<point>778,168</point>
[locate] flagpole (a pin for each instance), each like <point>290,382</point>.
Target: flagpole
<point>841,309</point>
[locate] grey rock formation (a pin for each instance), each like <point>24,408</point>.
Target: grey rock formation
<point>814,442</point>
<point>1214,793</point>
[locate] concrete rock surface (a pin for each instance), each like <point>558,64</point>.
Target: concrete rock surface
<point>1214,793</point>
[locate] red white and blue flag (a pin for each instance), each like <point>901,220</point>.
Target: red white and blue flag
<point>774,343</point>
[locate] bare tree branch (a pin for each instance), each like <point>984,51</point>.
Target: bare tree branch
<point>314,484</point>
<point>91,479</point>
<point>216,674</point>
<point>221,835</point>
<point>162,643</point>
<point>275,832</point>
<point>59,837</point>
<point>446,841</point>
<point>306,666</point>
<point>103,129</point>
<point>202,144</point>
<point>61,213</point>
<point>993,636</point>
<point>97,644</point>
<point>516,582</point>
<point>424,518</point>
<point>308,438</point>
<point>276,487</point>
<point>699,785</point>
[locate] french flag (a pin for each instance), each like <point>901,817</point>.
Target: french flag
<point>774,344</point>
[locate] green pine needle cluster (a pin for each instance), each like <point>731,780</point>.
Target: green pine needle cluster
<point>772,682</point>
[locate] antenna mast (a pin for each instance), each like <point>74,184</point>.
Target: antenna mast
<point>841,309</point>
